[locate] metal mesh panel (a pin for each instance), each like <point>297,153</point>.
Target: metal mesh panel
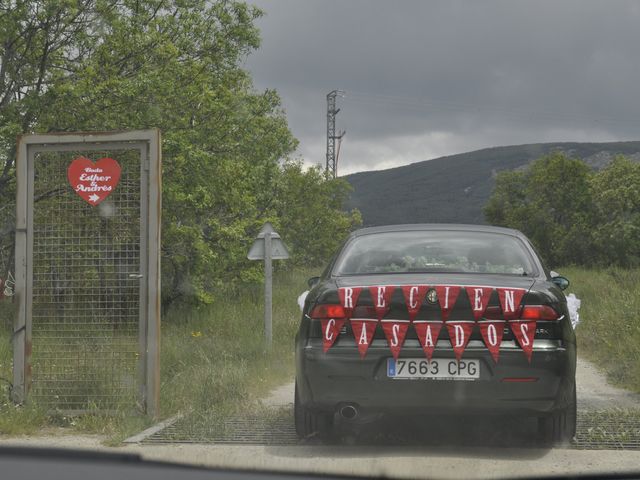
<point>86,290</point>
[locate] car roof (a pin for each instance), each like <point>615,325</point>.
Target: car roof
<point>456,227</point>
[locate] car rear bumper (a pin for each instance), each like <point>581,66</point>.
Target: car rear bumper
<point>328,380</point>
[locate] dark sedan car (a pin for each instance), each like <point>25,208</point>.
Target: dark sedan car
<point>436,319</point>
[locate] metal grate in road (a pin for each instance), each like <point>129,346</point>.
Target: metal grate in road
<point>608,430</point>
<point>596,430</point>
<point>247,430</point>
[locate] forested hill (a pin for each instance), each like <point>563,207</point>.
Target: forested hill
<point>454,189</point>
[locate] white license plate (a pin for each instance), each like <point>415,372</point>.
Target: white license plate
<point>437,369</point>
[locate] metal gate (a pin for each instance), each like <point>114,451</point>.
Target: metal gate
<point>87,275</point>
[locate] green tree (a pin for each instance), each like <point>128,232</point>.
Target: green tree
<point>507,204</point>
<point>309,204</point>
<point>551,203</point>
<point>102,65</point>
<point>616,221</point>
<point>41,43</point>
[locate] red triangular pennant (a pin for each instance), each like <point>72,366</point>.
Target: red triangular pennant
<point>395,331</point>
<point>524,331</point>
<point>510,299</point>
<point>492,331</point>
<point>447,296</point>
<point>459,335</point>
<point>427,332</point>
<point>349,298</point>
<point>330,330</point>
<point>413,298</point>
<point>381,298</point>
<point>363,331</point>
<point>479,300</point>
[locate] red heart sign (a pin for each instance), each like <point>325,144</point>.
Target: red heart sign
<point>93,181</point>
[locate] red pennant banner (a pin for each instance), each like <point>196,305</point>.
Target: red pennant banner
<point>447,296</point>
<point>492,331</point>
<point>510,299</point>
<point>479,300</point>
<point>349,298</point>
<point>381,297</point>
<point>363,331</point>
<point>428,332</point>
<point>395,331</point>
<point>459,335</point>
<point>330,331</point>
<point>413,298</point>
<point>524,331</point>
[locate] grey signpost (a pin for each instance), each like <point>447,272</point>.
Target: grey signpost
<point>268,246</point>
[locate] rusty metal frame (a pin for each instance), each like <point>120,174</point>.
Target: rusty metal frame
<point>148,142</point>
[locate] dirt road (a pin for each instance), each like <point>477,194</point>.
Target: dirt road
<point>398,461</point>
<point>595,393</point>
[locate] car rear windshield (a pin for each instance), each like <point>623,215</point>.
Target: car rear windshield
<point>435,251</point>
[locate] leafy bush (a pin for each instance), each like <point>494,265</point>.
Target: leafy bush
<point>572,214</point>
<point>177,66</point>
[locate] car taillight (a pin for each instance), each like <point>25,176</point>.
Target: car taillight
<point>538,312</point>
<point>328,311</point>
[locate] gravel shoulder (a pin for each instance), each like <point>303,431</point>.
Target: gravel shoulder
<point>595,393</point>
<point>396,461</point>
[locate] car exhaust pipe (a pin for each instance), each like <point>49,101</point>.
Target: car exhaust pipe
<point>349,412</point>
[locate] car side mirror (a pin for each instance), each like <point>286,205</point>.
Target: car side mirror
<point>561,282</point>
<point>313,281</point>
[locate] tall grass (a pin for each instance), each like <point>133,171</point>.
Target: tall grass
<point>609,330</point>
<point>213,360</point>
<point>14,419</point>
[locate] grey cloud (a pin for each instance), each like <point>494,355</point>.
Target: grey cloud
<point>411,68</point>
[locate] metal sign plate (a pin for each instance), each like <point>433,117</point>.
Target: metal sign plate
<point>278,250</point>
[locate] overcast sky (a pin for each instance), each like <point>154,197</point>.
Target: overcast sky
<point>424,79</point>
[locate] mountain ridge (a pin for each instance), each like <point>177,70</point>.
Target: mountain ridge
<point>454,188</point>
